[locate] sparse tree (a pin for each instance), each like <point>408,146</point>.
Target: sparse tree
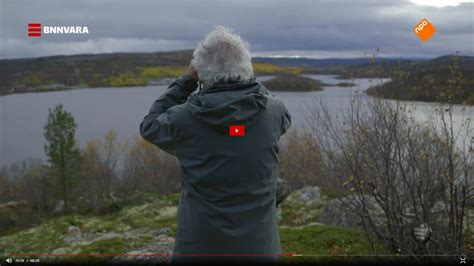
<point>62,150</point>
<point>99,169</point>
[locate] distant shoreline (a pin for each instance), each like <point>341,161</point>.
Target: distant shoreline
<point>340,84</point>
<point>76,88</point>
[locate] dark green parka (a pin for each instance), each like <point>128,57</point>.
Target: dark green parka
<point>229,183</point>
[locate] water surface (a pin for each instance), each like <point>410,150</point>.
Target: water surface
<point>23,116</point>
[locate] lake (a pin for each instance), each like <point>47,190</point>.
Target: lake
<point>22,116</point>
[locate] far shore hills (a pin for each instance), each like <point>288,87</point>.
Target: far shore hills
<point>442,79</point>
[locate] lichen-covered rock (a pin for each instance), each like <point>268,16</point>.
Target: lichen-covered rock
<point>107,236</point>
<point>309,193</point>
<point>163,231</point>
<point>167,212</point>
<point>135,234</point>
<point>74,231</point>
<point>159,250</point>
<point>72,239</point>
<point>301,207</point>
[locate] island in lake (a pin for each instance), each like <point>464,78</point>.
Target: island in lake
<point>343,84</point>
<point>292,82</point>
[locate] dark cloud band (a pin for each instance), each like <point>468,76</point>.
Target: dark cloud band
<point>268,25</point>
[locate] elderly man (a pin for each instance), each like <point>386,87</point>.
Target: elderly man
<point>225,137</point>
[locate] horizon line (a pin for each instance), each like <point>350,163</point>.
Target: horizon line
<point>288,54</point>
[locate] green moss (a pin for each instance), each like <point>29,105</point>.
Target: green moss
<point>106,223</point>
<point>43,238</point>
<point>147,211</point>
<point>160,72</point>
<point>75,220</point>
<point>318,242</point>
<point>173,198</point>
<point>296,213</point>
<point>106,246</point>
<point>140,241</point>
<point>150,222</point>
<point>322,240</point>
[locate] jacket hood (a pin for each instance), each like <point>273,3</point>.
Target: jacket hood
<point>229,104</point>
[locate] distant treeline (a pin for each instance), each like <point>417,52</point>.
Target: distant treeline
<point>444,79</point>
<point>421,80</point>
<point>102,70</point>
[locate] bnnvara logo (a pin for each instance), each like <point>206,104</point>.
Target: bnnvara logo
<point>36,29</point>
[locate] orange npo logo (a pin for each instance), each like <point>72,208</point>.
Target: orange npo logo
<point>424,30</point>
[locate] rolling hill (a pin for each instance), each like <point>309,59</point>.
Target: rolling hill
<point>421,80</point>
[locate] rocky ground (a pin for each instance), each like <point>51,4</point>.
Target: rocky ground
<point>144,231</point>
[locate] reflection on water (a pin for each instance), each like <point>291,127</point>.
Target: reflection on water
<point>22,116</point>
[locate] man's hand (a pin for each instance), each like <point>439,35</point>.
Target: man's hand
<point>191,71</point>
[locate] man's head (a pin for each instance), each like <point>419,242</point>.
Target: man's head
<point>222,57</point>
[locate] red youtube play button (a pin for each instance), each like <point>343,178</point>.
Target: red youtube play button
<point>236,131</point>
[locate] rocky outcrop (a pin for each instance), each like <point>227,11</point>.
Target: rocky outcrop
<point>307,194</point>
<point>158,251</point>
<point>301,207</point>
<point>75,235</point>
<point>15,214</point>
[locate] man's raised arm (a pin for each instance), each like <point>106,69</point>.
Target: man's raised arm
<point>157,126</point>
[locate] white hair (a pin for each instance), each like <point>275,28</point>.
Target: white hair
<point>223,56</point>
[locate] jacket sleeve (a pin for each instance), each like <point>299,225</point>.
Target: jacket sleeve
<point>158,126</point>
<point>286,123</point>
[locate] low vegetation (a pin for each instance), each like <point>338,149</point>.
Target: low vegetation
<point>128,229</point>
<point>397,173</point>
<point>271,69</point>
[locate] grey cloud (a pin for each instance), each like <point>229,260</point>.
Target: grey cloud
<point>326,26</point>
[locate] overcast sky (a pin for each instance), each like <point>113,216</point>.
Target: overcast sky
<point>319,29</point>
